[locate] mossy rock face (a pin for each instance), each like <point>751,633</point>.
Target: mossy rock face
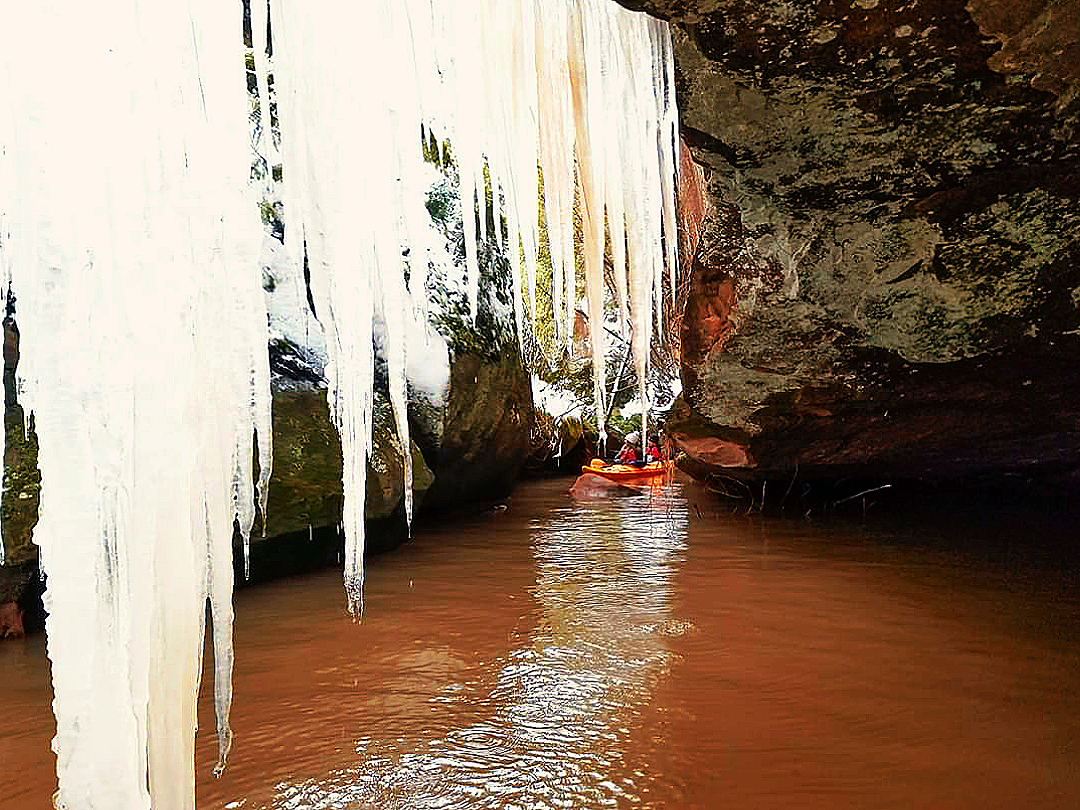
<point>22,487</point>
<point>22,483</point>
<point>486,425</point>
<point>386,470</point>
<point>305,485</point>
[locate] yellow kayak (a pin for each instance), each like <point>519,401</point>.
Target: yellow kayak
<point>622,472</point>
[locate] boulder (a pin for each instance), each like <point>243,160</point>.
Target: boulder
<point>305,485</point>
<point>475,435</point>
<point>485,431</point>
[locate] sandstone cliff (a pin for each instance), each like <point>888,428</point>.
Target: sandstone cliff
<point>886,270</point>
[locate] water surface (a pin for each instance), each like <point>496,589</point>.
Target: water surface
<point>612,648</point>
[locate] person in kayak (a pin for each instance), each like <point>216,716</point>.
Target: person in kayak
<point>652,449</point>
<point>629,452</point>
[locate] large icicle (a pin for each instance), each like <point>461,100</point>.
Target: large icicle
<point>261,64</point>
<point>253,303</point>
<point>667,138</point>
<point>586,89</point>
<point>557,155</point>
<point>351,204</point>
<point>131,251</point>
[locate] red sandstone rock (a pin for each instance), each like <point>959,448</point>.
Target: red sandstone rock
<point>11,624</point>
<point>715,452</point>
<point>692,202</point>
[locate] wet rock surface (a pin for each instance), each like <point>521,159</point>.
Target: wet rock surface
<point>485,436</point>
<point>305,486</point>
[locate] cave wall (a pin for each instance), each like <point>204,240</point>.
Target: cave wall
<point>886,279</point>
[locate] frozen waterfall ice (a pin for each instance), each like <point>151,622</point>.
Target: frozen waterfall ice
<point>129,233</point>
<point>129,237</point>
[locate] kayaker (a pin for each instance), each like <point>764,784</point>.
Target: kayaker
<point>652,449</point>
<point>629,452</point>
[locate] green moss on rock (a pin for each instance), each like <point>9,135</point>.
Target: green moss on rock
<point>305,486</point>
<point>22,488</point>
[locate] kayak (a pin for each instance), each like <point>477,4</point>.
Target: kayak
<point>623,472</point>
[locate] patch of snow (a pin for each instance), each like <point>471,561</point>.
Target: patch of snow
<point>289,316</point>
<point>428,369</point>
<point>555,401</point>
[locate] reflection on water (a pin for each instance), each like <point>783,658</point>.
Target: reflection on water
<point>610,648</point>
<point>564,701</point>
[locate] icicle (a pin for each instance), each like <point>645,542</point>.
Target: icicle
<point>586,90</point>
<point>472,195</point>
<point>136,369</point>
<point>570,280</point>
<point>556,143</point>
<point>393,302</point>
<point>557,304</point>
<point>356,253</point>
<point>524,141</point>
<point>255,306</point>
<point>617,231</point>
<point>556,154</point>
<point>515,267</point>
<point>262,79</point>
<point>668,137</point>
<point>464,24</point>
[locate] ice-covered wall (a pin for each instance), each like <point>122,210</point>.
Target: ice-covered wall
<point>130,236</point>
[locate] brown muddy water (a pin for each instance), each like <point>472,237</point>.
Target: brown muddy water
<point>622,649</point>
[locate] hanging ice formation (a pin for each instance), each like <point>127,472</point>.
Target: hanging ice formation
<point>128,231</point>
<point>513,85</point>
